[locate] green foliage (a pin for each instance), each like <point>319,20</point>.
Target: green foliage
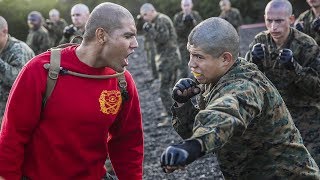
<point>16,11</point>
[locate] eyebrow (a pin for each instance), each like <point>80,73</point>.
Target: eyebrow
<point>130,34</point>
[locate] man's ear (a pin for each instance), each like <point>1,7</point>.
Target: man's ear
<point>292,19</point>
<point>101,35</point>
<point>227,58</point>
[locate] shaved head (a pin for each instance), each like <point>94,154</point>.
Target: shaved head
<point>186,2</point>
<point>280,4</point>
<point>3,24</point>
<point>147,7</point>
<point>54,12</point>
<point>80,8</point>
<point>108,16</point>
<point>215,36</point>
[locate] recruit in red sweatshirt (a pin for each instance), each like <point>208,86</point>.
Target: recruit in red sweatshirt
<point>71,136</point>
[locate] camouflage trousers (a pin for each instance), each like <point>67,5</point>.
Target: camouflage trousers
<point>307,120</point>
<point>168,76</point>
<point>151,54</point>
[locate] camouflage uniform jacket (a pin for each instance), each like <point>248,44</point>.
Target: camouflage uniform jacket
<point>165,38</point>
<point>184,28</point>
<point>79,32</point>
<point>38,40</point>
<point>56,31</point>
<point>299,87</point>
<point>163,33</point>
<point>307,18</point>
<point>233,16</point>
<point>243,119</point>
<point>14,55</point>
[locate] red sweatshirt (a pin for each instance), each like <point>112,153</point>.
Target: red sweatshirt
<point>69,138</point>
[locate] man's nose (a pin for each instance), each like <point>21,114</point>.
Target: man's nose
<point>134,43</point>
<point>274,25</point>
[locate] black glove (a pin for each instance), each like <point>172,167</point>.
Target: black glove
<point>299,26</point>
<point>316,25</point>
<point>184,84</point>
<point>147,26</point>
<point>257,53</point>
<point>187,18</point>
<point>286,58</point>
<point>181,154</point>
<point>69,31</point>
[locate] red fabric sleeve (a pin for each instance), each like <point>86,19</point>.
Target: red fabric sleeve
<point>20,119</point>
<point>125,142</point>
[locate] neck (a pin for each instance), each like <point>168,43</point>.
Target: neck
<point>87,55</point>
<point>280,42</point>
<point>316,11</point>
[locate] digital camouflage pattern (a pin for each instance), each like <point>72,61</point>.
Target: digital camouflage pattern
<point>55,31</point>
<point>233,16</point>
<point>150,48</point>
<point>38,40</point>
<point>183,29</point>
<point>307,18</point>
<point>168,56</point>
<point>244,120</point>
<point>14,55</point>
<point>300,87</point>
<point>77,33</point>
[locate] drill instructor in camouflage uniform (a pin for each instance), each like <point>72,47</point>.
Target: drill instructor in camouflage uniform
<point>184,21</point>
<point>79,16</point>
<point>241,116</point>
<point>231,14</point>
<point>149,46</point>
<point>161,29</point>
<point>55,26</point>
<point>290,59</point>
<point>38,37</point>
<point>309,21</point>
<point>13,55</point>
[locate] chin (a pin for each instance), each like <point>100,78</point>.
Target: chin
<point>118,69</point>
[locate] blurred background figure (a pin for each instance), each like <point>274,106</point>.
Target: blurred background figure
<point>149,47</point>
<point>13,55</point>
<point>184,21</point>
<point>55,26</point>
<point>38,37</point>
<point>230,14</point>
<point>308,22</point>
<point>161,30</point>
<point>79,16</point>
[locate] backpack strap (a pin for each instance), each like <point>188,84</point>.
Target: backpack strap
<point>54,70</point>
<point>53,73</point>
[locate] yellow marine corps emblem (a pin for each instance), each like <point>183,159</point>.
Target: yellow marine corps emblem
<point>110,101</point>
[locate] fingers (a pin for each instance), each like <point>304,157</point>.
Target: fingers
<point>170,169</point>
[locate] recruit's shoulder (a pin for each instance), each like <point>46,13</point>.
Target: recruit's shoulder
<point>39,60</point>
<point>302,38</point>
<point>262,35</point>
<point>178,15</point>
<point>244,72</point>
<point>235,10</point>
<point>42,30</point>
<point>19,46</point>
<point>162,18</point>
<point>305,14</point>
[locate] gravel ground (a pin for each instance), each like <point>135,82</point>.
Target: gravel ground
<point>157,139</point>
